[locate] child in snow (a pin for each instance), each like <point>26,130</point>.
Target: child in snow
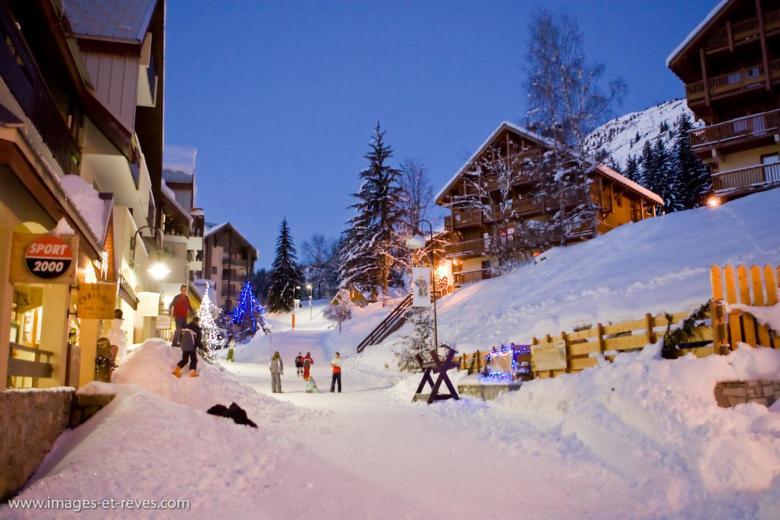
<point>189,340</point>
<point>299,364</point>
<point>311,386</point>
<point>307,363</point>
<point>277,369</point>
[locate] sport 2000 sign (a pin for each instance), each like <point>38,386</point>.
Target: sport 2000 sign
<point>48,256</point>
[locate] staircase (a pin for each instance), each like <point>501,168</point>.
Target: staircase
<point>390,324</point>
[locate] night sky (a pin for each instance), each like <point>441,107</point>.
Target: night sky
<point>280,97</point>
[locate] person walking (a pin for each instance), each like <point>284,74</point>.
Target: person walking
<point>277,369</point>
<point>189,338</point>
<point>307,363</point>
<point>335,364</point>
<point>180,310</point>
<point>299,364</point>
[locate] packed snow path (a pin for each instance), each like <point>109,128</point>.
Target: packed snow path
<point>431,457</point>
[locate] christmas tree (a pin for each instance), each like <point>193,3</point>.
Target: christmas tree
<point>213,335</point>
<point>286,275</point>
<point>245,315</point>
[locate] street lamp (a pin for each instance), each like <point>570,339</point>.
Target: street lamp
<point>159,270</point>
<point>308,287</point>
<point>133,242</point>
<point>415,243</point>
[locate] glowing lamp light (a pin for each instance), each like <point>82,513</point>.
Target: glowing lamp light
<point>713,201</point>
<point>441,271</point>
<point>415,242</point>
<point>159,270</point>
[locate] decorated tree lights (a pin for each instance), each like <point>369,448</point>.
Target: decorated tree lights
<point>503,366</point>
<point>248,314</point>
<point>213,335</point>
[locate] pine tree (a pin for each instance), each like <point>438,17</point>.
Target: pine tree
<point>632,170</point>
<point>693,177</point>
<point>286,275</point>
<point>372,244</point>
<point>666,181</point>
<point>213,335</point>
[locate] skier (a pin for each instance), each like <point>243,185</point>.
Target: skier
<point>335,364</point>
<point>277,369</point>
<point>189,339</point>
<point>307,363</point>
<point>180,309</point>
<point>299,364</point>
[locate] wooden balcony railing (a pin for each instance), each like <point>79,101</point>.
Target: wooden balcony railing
<point>465,277</point>
<point>467,217</point>
<point>467,247</point>
<point>20,72</point>
<point>746,179</point>
<point>742,31</point>
<point>746,78</point>
<point>765,123</point>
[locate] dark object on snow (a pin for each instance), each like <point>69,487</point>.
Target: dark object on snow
<point>440,367</point>
<point>234,412</point>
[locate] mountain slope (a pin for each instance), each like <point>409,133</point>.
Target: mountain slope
<point>660,264</point>
<point>627,134</point>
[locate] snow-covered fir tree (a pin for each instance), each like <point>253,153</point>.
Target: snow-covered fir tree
<point>419,342</point>
<point>632,170</point>
<point>213,335</point>
<point>286,274</point>
<point>693,177</point>
<point>372,245</point>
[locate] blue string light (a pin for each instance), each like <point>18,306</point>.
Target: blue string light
<point>500,376</point>
<point>248,307</point>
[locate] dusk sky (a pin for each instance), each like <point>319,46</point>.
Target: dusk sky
<point>279,98</point>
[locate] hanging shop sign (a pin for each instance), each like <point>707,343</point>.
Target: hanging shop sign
<point>37,258</point>
<point>549,357</point>
<point>96,301</point>
<point>421,287</point>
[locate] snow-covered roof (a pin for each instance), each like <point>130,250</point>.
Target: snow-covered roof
<point>180,159</point>
<point>505,125</point>
<point>714,13</point>
<point>628,183</point>
<point>93,206</point>
<point>221,226</point>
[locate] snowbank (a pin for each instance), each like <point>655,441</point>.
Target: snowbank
<point>656,423</point>
<point>661,264</point>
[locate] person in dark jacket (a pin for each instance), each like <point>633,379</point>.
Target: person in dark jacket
<point>190,340</point>
<point>299,363</point>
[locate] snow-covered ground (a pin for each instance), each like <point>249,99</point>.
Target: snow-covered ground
<point>657,265</point>
<point>642,438</point>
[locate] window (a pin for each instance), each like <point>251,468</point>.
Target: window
<point>771,158</point>
<point>214,269</point>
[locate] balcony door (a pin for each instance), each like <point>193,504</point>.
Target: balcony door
<point>771,165</point>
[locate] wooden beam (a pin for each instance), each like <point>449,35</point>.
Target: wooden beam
<point>764,53</point>
<point>730,35</point>
<point>705,80</point>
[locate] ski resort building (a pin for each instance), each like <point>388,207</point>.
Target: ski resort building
<point>508,219</point>
<point>730,65</point>
<point>229,259</point>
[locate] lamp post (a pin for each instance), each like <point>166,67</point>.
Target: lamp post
<point>417,242</point>
<point>311,312</point>
<point>133,241</point>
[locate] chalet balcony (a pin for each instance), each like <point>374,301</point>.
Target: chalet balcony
<point>20,72</point>
<point>463,218</point>
<point>731,134</point>
<point>734,82</point>
<point>467,248</point>
<point>745,180</point>
<point>465,277</point>
<point>743,31</point>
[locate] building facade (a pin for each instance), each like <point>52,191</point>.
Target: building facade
<point>730,65</point>
<point>507,213</point>
<point>229,261</point>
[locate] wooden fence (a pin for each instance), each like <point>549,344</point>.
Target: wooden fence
<point>755,286</point>
<point>584,347</point>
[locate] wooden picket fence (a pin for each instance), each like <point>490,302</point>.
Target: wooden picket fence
<point>755,286</point>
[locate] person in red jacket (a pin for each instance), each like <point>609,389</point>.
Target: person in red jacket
<point>307,363</point>
<point>335,364</point>
<point>180,309</point>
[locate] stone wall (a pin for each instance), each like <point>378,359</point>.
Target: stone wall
<point>732,393</point>
<point>31,422</point>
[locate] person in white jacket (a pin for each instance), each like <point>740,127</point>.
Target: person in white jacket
<point>117,336</point>
<point>335,365</point>
<point>277,369</point>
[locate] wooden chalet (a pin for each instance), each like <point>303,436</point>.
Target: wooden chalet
<point>473,230</point>
<point>730,65</point>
